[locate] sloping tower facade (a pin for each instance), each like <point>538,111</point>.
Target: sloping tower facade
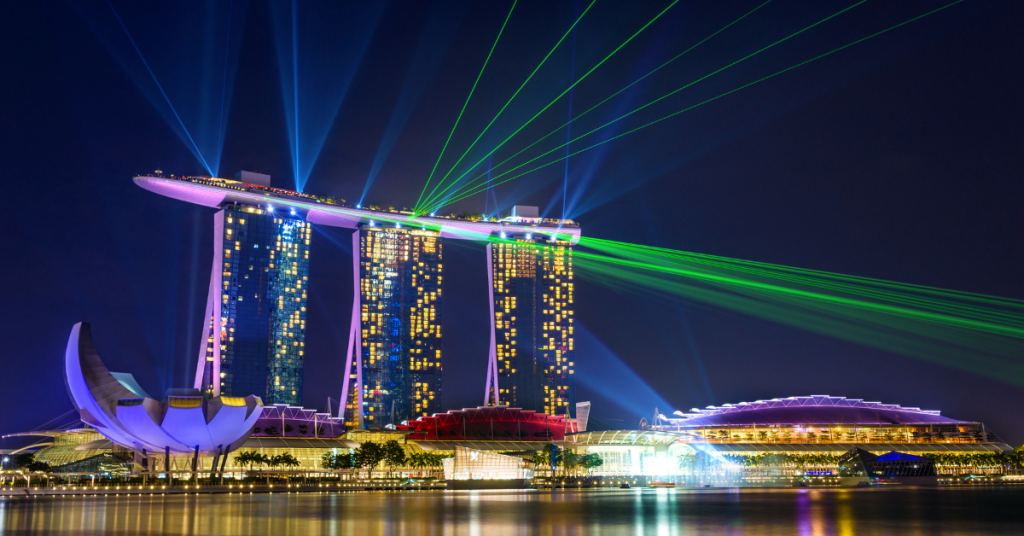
<point>394,364</point>
<point>254,332</point>
<point>532,354</point>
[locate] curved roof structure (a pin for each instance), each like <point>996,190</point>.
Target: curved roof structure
<point>213,192</point>
<point>807,410</point>
<point>111,403</point>
<point>490,422</point>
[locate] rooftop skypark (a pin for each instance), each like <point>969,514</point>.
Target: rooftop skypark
<point>286,196</point>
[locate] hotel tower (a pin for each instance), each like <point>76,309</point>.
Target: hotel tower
<point>255,322</point>
<point>532,356</point>
<point>393,365</point>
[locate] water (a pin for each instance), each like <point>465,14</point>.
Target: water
<point>638,511</point>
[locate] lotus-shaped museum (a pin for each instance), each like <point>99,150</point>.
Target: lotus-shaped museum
<point>117,407</point>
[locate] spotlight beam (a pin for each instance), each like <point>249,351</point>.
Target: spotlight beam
<point>528,78</point>
<point>467,192</point>
<point>194,148</point>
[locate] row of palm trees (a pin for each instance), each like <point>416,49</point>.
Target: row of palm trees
<point>568,461</point>
<point>252,458</point>
<point>426,460</point>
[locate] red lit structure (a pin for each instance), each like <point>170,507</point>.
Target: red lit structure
<point>491,423</point>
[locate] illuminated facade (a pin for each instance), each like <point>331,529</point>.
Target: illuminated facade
<point>254,336</point>
<point>394,359</point>
<point>532,355</point>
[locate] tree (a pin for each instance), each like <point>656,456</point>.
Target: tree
<point>593,461</point>
<point>811,437</point>
<point>394,454</point>
<point>762,436</point>
<point>286,460</point>
<point>27,461</point>
<point>288,428</point>
<point>303,429</point>
<point>368,456</point>
<point>247,457</point>
<point>270,431</point>
<point>435,461</point>
<point>336,461</point>
<point>417,460</point>
<point>569,461</point>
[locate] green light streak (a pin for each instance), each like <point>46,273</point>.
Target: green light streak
<point>434,199</point>
<point>681,269</point>
<point>951,302</point>
<point>528,78</point>
<point>562,94</point>
<point>974,332</point>
<point>470,96</point>
<point>467,192</point>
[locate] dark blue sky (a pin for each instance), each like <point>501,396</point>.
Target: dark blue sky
<point>901,158</point>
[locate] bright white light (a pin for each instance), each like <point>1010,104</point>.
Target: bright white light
<point>270,208</point>
<point>293,212</point>
<point>529,236</point>
<point>659,466</point>
<point>371,223</point>
<point>432,214</point>
<point>398,225</point>
<point>503,234</point>
<point>359,206</point>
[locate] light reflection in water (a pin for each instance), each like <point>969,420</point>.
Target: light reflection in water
<point>677,511</point>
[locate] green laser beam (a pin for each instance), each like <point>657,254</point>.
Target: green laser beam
<point>470,96</point>
<point>918,296</point>
<point>601,244</point>
<point>918,314</point>
<point>591,109</point>
<point>488,184</point>
<point>553,101</point>
<point>965,345</point>
<point>663,97</point>
<point>528,78</point>
<point>883,333</point>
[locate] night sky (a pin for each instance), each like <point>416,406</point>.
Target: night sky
<point>900,158</point>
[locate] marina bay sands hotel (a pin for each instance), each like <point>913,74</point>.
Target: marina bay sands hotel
<point>254,336</point>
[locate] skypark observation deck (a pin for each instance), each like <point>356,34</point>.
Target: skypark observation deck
<point>216,192</point>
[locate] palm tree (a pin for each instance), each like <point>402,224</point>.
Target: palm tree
<point>248,457</point>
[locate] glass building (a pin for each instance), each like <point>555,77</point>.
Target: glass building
<point>394,359</point>
<point>532,360</point>
<point>254,337</point>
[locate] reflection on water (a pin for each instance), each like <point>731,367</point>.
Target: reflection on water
<point>638,511</point>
